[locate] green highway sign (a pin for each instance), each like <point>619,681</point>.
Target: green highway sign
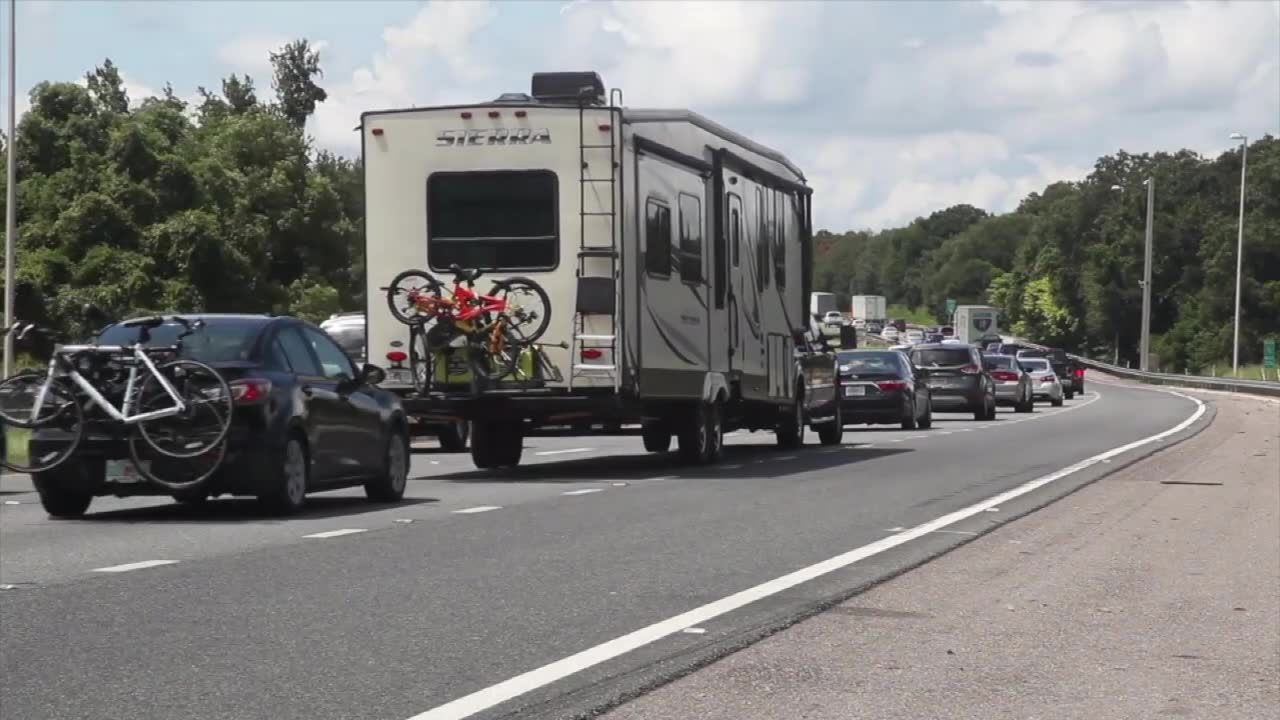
<point>1269,354</point>
<point>951,307</point>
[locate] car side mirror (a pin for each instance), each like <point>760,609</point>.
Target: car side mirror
<point>372,374</point>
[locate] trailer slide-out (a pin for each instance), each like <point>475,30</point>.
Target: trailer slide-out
<point>675,252</point>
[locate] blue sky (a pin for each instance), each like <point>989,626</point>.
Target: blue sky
<point>893,109</point>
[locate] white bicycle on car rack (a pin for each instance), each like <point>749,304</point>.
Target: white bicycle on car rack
<point>180,408</point>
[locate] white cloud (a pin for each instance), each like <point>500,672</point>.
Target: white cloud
<point>893,113</point>
<point>251,53</point>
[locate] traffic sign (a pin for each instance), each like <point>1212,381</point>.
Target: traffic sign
<point>951,307</point>
<point>1269,354</point>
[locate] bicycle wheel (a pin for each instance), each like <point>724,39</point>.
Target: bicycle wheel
<point>494,365</point>
<point>58,421</point>
<point>202,425</point>
<point>404,292</point>
<point>170,472</point>
<point>419,360</point>
<point>528,308</point>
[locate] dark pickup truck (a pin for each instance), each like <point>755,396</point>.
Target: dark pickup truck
<point>1069,372</point>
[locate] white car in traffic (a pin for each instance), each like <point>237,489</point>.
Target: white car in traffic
<point>914,337</point>
<point>1045,384</point>
<point>889,333</point>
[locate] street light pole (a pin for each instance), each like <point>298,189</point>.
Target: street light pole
<point>1244,164</point>
<point>1144,348</point>
<point>11,194</point>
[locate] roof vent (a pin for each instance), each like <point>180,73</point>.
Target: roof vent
<point>575,88</point>
<point>519,98</point>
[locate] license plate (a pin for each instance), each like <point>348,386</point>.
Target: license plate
<point>399,377</point>
<point>856,390</point>
<point>124,471</point>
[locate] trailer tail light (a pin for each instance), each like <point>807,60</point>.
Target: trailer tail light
<point>494,113</point>
<point>1005,376</point>
<point>395,357</point>
<point>466,116</point>
<point>521,113</point>
<point>892,385</point>
<point>377,132</point>
<point>970,369</point>
<point>605,127</point>
<point>592,354</point>
<point>250,391</point>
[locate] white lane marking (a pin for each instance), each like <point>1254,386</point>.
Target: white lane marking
<point>956,532</point>
<point>895,529</point>
<point>482,700</point>
<point>335,533</point>
<point>694,631</point>
<point>135,566</point>
<point>786,457</point>
<point>963,430</point>
<point>731,467</point>
<point>12,502</point>
<point>566,451</point>
<point>992,509</point>
<point>477,509</point>
<point>914,437</point>
<point>944,432</point>
<point>619,484</point>
<point>657,479</point>
<point>585,491</point>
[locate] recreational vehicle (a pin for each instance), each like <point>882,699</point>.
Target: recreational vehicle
<point>675,254</point>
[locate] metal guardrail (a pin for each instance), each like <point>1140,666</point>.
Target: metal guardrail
<point>1251,387</point>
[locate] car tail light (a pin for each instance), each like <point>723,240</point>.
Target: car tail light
<point>1048,379</point>
<point>1005,376</point>
<point>1079,372</point>
<point>395,357</point>
<point>592,354</point>
<point>970,369</point>
<point>250,391</point>
<point>892,385</point>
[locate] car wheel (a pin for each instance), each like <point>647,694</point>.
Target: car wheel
<point>926,422</point>
<point>1025,405</point>
<point>1071,394</point>
<point>1056,402</point>
<point>496,444</point>
<point>389,486</point>
<point>909,417</point>
<point>790,430</point>
<point>656,436</point>
<point>67,490</point>
<point>286,490</point>
<point>833,432</point>
<point>454,437</point>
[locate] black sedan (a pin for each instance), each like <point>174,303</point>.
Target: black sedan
<point>306,419</point>
<point>957,379</point>
<point>881,387</point>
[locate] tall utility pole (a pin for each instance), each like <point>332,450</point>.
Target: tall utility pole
<point>1244,164</point>
<point>1145,343</point>
<point>11,194</point>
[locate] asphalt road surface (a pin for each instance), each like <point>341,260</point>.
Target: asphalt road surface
<point>562,587</point>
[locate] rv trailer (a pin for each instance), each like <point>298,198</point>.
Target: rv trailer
<point>675,253</point>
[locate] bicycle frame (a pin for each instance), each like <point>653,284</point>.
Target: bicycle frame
<point>122,414</point>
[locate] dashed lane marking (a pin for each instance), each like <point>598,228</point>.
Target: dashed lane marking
<point>584,491</point>
<point>566,451</point>
<point>477,509</point>
<point>127,567</point>
<point>335,533</point>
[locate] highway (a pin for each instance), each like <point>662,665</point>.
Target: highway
<point>575,574</point>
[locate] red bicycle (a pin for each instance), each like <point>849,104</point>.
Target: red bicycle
<point>494,328</point>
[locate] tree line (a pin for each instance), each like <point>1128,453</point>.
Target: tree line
<point>224,205</point>
<point>1066,266</point>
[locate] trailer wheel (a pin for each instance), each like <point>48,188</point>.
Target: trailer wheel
<point>694,437</point>
<point>715,433</point>
<point>791,426</point>
<point>495,444</point>
<point>657,437</point>
<point>453,437</point>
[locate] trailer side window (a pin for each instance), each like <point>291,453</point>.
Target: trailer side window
<point>735,228</point>
<point>494,220</point>
<point>690,238</point>
<point>780,217</point>
<point>762,240</point>
<point>657,238</point>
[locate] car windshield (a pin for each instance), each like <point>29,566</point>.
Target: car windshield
<point>941,357</point>
<point>349,337</point>
<point>997,362</point>
<point>870,362</point>
<point>220,340</point>
<point>1034,364</point>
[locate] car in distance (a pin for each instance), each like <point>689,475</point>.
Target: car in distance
<point>881,387</point>
<point>889,333</point>
<point>914,337</point>
<point>1013,384</point>
<point>1069,372</point>
<point>306,419</point>
<point>957,380</point>
<point>1045,384</point>
<point>347,329</point>
<point>947,331</point>
<point>833,320</point>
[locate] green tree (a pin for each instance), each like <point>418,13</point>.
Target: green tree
<point>296,67</point>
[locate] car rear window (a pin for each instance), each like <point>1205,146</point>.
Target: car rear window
<point>220,340</point>
<point>1034,364</point>
<point>871,362</point>
<point>997,362</point>
<point>350,337</point>
<point>941,357</point>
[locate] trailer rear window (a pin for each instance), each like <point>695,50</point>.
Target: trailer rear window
<point>493,220</point>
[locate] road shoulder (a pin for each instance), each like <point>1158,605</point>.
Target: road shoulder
<point>1153,592</point>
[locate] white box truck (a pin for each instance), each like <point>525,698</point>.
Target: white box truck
<point>869,308</point>
<point>976,324</point>
<point>821,303</point>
